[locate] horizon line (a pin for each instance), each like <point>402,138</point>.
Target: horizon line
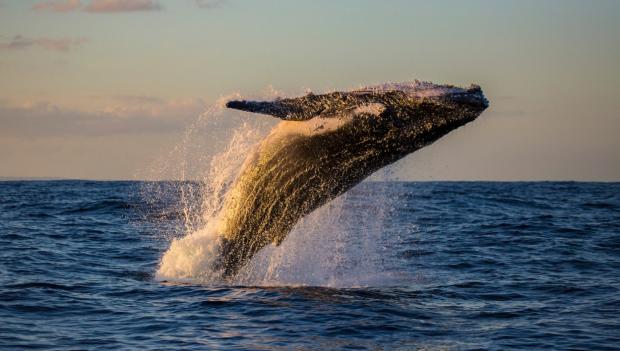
<point>62,179</point>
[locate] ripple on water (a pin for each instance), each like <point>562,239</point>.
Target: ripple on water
<point>462,266</point>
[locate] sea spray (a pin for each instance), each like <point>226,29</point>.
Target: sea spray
<point>337,245</point>
<point>190,258</point>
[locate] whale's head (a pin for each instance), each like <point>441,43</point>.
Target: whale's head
<point>408,115</point>
<point>418,113</point>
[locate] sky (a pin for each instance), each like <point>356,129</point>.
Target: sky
<point>101,89</point>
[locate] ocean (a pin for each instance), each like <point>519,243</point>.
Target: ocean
<point>388,266</point>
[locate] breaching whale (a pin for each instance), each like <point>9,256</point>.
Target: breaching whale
<point>325,145</point>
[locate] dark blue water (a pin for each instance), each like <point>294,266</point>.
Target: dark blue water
<point>496,266</point>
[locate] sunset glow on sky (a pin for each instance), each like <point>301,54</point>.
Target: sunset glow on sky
<point>99,89</point>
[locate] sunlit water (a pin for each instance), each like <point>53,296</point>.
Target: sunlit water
<point>395,266</point>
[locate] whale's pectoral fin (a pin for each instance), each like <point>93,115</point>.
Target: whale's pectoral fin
<point>295,109</point>
<point>274,108</point>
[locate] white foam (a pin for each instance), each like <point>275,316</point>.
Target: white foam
<point>189,259</point>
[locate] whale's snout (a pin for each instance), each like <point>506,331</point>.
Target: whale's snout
<point>472,97</point>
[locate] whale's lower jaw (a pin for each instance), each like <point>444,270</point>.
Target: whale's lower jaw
<point>300,166</point>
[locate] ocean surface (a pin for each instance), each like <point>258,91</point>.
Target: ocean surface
<point>394,266</point>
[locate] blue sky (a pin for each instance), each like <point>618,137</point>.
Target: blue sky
<point>99,89</point>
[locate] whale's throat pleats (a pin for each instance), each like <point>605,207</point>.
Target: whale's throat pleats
<point>298,168</point>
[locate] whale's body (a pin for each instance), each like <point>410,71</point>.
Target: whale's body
<point>325,145</point>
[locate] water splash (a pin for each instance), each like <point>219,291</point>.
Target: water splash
<point>338,245</point>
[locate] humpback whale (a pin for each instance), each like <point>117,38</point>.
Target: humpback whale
<point>325,145</point>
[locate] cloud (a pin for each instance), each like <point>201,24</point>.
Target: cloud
<point>124,115</point>
<point>130,106</point>
<point>210,4</point>
<point>97,6</point>
<point>114,6</point>
<point>19,42</point>
<point>58,5</point>
<point>110,6</point>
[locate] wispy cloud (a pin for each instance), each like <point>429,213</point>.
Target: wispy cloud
<point>58,5</point>
<point>136,99</point>
<point>123,115</point>
<point>211,4</point>
<point>19,42</point>
<point>112,6</point>
<point>129,106</point>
